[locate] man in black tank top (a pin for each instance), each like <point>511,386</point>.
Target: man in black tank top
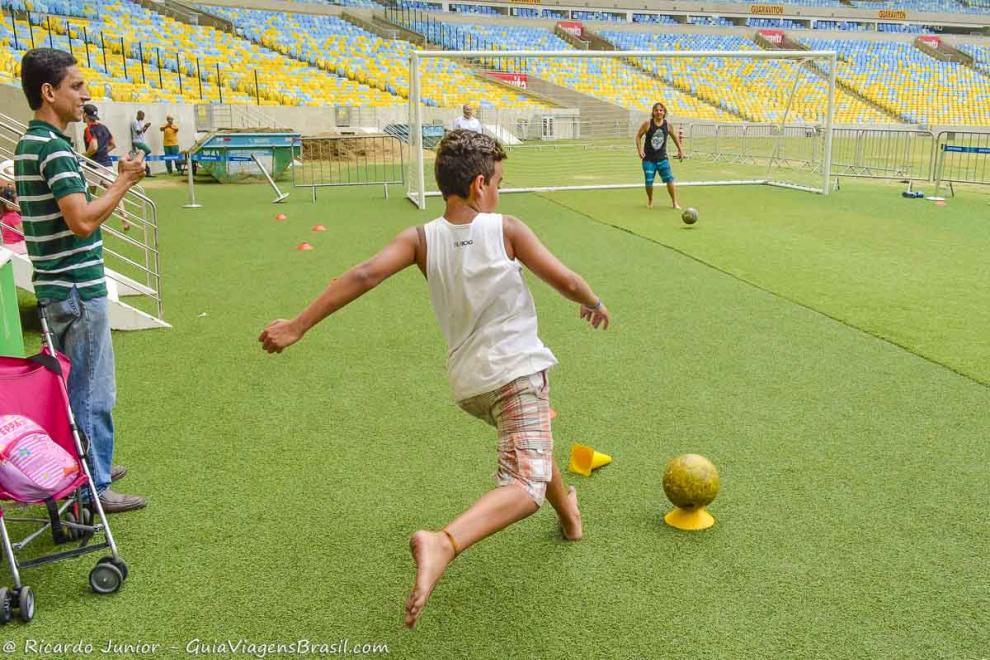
<point>653,152</point>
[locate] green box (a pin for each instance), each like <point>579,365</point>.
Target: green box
<point>11,339</point>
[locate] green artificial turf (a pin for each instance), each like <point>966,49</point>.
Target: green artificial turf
<point>851,521</point>
<point>902,269</point>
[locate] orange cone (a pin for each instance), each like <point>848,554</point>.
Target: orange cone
<point>280,217</point>
<point>584,459</point>
<point>319,228</point>
<point>553,413</point>
<point>304,246</point>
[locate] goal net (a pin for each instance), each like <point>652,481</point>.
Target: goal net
<point>569,119</point>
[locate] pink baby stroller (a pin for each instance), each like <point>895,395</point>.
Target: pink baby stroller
<point>35,388</point>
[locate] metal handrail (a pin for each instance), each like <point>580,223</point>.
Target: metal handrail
<point>136,209</point>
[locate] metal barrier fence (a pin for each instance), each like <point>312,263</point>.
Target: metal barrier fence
<point>790,146</point>
<point>348,160</point>
<point>882,153</point>
<point>962,157</point>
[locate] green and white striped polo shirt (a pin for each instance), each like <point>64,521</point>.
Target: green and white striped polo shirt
<point>46,169</point>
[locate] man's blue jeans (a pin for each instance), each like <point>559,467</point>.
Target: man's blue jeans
<point>82,332</point>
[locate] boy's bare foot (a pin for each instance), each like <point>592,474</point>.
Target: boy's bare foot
<point>677,206</point>
<point>431,551</point>
<point>571,528</point>
<point>649,205</point>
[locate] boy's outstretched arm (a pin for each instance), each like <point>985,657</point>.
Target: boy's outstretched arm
<point>400,253</point>
<point>526,247</point>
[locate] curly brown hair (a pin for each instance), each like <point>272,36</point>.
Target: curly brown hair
<point>461,156</point>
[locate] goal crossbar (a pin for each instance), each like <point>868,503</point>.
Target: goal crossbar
<point>419,195</point>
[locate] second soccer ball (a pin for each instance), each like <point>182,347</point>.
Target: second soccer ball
<point>689,216</point>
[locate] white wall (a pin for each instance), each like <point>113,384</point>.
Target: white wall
<point>118,117</point>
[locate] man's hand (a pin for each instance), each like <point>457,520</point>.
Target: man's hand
<point>680,155</point>
<point>596,316</point>
<point>642,155</point>
<point>279,335</point>
<point>131,169</point>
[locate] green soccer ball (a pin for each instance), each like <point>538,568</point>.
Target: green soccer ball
<point>689,216</point>
<point>690,481</point>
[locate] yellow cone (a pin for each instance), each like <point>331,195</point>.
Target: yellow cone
<point>584,459</point>
<point>690,520</point>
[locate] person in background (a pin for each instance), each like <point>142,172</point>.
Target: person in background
<point>170,140</point>
<point>468,121</point>
<point>651,145</point>
<point>98,139</point>
<point>138,130</point>
<point>11,235</point>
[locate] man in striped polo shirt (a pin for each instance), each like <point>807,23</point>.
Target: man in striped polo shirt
<point>62,229</point>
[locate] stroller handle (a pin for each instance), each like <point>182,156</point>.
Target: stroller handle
<point>46,332</point>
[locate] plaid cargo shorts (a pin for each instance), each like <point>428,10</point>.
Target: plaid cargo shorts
<point>520,412</point>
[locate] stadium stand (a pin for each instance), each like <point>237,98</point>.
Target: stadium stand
<point>774,23</point>
<point>332,44</point>
<point>545,13</point>
<point>980,55</point>
<point>844,26</point>
<point>610,80</point>
<point>484,10</point>
<point>657,19</point>
<point>709,20</point>
<point>320,60</point>
<point>757,90</point>
<point>342,3</point>
<point>600,16</point>
<point>190,58</point>
<point>900,77</point>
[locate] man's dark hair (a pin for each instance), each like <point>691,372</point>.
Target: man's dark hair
<point>40,66</point>
<point>462,156</point>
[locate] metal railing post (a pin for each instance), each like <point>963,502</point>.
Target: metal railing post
<point>13,27</point>
<point>191,185</point>
<point>219,86</point>
<point>123,56</point>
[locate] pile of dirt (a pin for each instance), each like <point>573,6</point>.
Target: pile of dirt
<point>352,148</point>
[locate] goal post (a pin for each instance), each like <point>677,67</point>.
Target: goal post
<point>782,140</point>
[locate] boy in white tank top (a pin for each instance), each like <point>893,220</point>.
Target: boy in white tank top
<point>496,363</point>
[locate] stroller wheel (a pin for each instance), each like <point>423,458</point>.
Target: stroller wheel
<point>25,603</point>
<point>5,614</point>
<point>72,532</point>
<point>85,518</point>
<point>105,578</point>
<point>119,563</point>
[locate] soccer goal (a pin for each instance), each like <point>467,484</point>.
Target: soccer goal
<point>569,119</point>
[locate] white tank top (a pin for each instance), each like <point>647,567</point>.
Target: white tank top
<point>483,305</point>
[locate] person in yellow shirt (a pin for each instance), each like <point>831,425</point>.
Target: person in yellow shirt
<point>170,140</point>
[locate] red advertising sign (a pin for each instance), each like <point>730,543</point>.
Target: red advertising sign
<point>930,40</point>
<point>517,79</point>
<point>775,37</point>
<point>574,27</point>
